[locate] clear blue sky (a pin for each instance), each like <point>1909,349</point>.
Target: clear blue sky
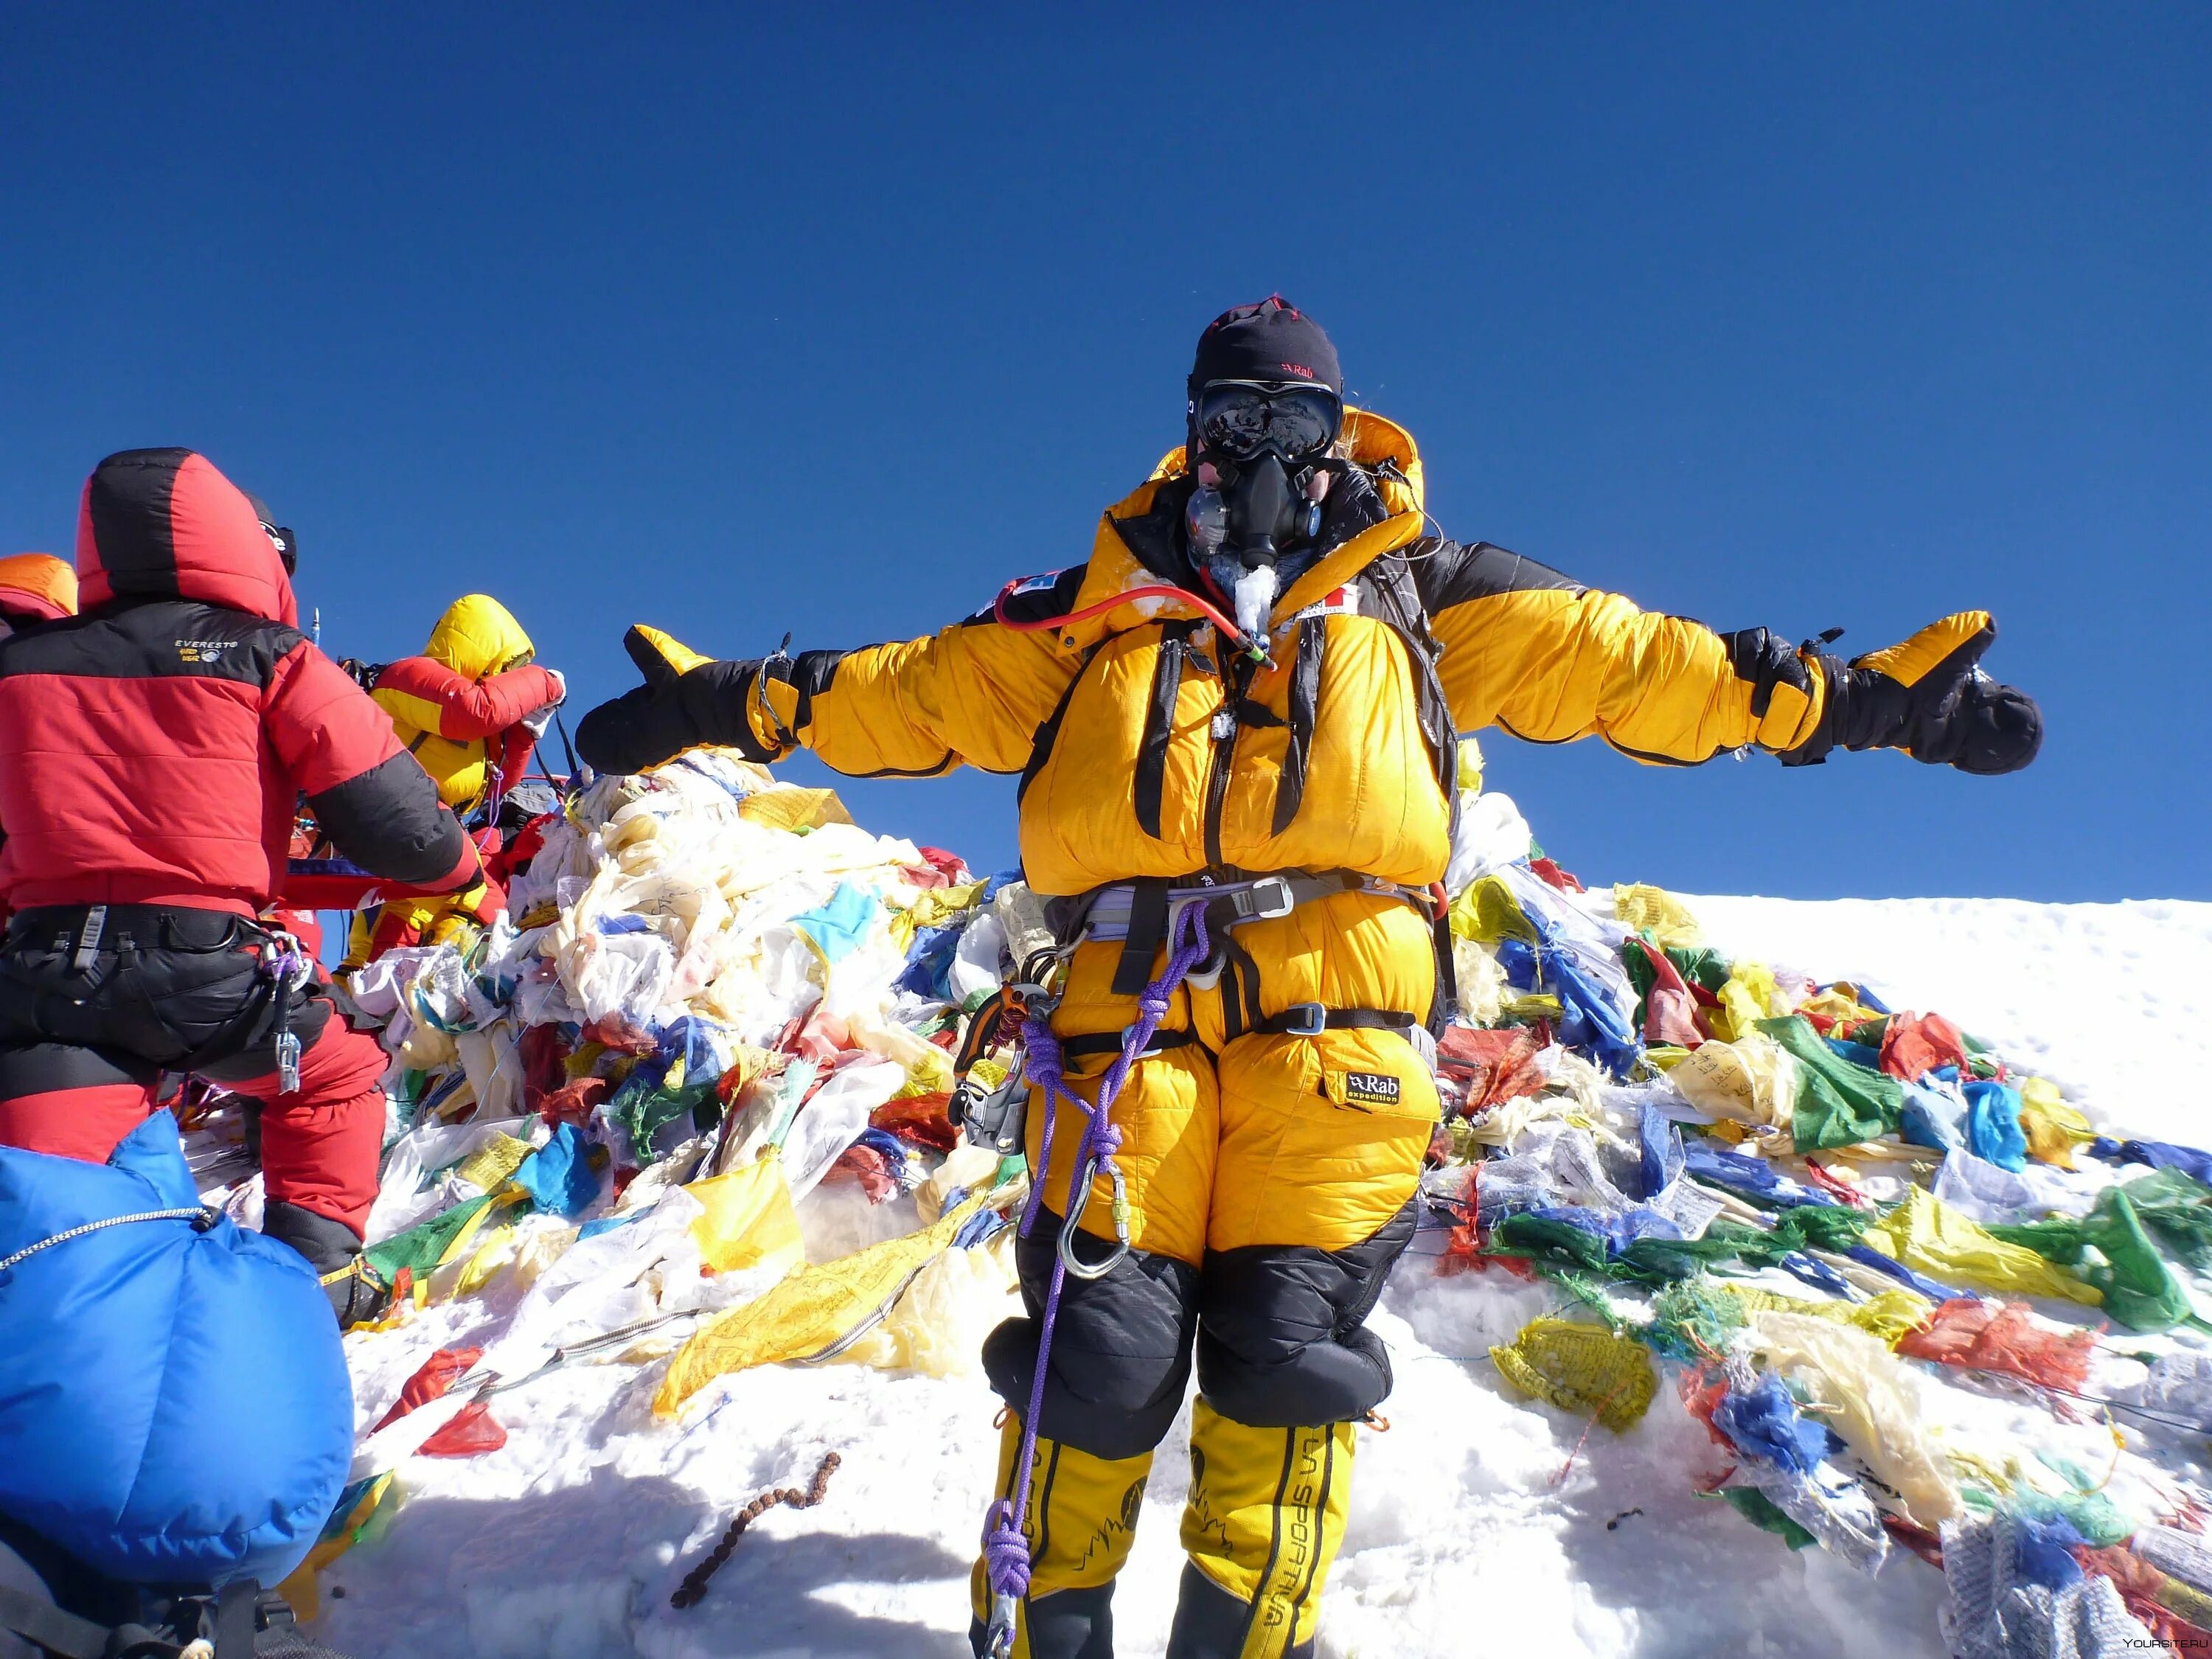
<point>832,319</point>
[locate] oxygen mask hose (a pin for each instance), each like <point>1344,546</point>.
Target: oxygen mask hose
<point>1251,645</point>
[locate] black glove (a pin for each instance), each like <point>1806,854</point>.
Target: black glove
<point>1929,698</point>
<point>687,699</point>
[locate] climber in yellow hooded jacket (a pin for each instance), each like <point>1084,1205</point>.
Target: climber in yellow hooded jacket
<point>1259,674</point>
<point>471,709</point>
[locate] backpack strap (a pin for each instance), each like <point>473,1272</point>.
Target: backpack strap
<point>1398,602</point>
<point>236,1620</point>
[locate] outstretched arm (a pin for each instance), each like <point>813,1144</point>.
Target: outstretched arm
<point>432,697</point>
<point>1542,657</point>
<point>972,695</point>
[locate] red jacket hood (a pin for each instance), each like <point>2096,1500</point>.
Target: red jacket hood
<point>164,524</point>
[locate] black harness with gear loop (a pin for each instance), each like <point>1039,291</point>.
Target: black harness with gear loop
<point>285,968</point>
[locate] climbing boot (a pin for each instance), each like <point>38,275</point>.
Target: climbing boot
<point>1081,1525</point>
<point>333,1250</point>
<point>1266,1514</point>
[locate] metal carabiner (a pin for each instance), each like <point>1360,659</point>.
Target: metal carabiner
<point>1039,978</point>
<point>1069,1228</point>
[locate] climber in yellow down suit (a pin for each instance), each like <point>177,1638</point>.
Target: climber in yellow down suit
<point>471,709</point>
<point>1273,1135</point>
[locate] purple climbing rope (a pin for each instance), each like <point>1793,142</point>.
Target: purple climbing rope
<point>1006,1546</point>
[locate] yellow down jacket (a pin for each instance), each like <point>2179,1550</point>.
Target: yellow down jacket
<point>459,706</point>
<point>1144,750</point>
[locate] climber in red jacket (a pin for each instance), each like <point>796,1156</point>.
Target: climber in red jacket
<point>153,749</point>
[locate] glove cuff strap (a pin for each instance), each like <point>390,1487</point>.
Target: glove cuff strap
<point>766,726</point>
<point>1836,680</point>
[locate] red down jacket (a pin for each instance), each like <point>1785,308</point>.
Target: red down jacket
<point>152,749</point>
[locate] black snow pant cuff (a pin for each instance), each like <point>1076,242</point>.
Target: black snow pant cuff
<point>1212,1624</point>
<point>1069,1624</point>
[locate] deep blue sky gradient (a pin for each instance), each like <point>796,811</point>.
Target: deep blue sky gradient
<point>834,318</point>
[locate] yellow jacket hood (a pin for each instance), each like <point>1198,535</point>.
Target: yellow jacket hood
<point>478,637</point>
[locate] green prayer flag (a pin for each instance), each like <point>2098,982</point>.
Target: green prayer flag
<point>1756,1507</point>
<point>420,1246</point>
<point>1838,1103</point>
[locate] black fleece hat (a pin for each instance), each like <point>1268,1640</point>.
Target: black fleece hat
<point>1272,340</point>
<point>280,536</point>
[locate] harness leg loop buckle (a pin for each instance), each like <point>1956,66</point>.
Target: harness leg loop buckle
<point>1268,899</point>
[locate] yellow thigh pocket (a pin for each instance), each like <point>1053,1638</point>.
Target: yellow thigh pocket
<point>1322,1138</point>
<point>1166,1116</point>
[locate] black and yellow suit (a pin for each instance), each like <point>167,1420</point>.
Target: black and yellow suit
<point>1270,1175</point>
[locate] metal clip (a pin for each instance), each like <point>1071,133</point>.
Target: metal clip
<point>999,1640</point>
<point>288,1062</point>
<point>87,938</point>
<point>1081,1202</point>
<point>1036,996</point>
<point>1308,1019</point>
<point>993,1120</point>
<point>1038,978</point>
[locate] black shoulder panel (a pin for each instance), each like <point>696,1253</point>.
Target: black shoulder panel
<point>1155,535</point>
<point>1036,604</point>
<point>1453,573</point>
<point>165,639</point>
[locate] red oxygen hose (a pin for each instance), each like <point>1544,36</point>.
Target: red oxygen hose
<point>1229,631</point>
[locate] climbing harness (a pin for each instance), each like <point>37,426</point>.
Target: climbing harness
<point>1006,1546</point>
<point>1137,912</point>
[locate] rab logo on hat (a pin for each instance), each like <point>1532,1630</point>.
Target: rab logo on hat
<point>1299,369</point>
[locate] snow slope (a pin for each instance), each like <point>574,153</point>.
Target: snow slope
<point>1476,1526</point>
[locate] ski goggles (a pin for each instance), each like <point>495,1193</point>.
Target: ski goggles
<point>1244,418</point>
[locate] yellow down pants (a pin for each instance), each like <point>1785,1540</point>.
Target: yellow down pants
<point>1270,1175</point>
